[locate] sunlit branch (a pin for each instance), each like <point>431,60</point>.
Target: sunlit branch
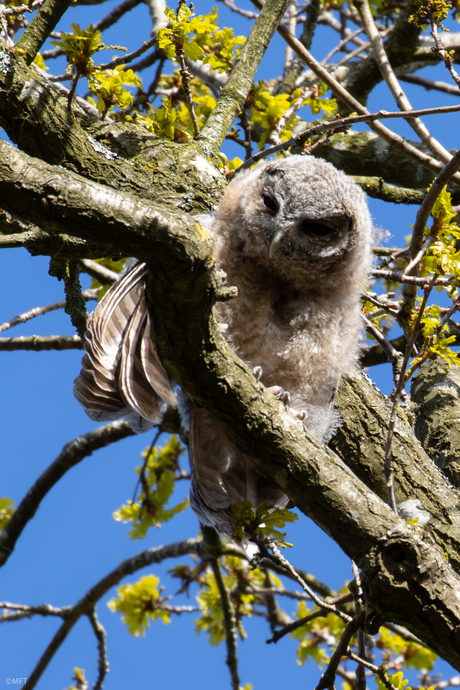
<point>39,343</point>
<point>300,139</point>
<point>387,135</point>
<point>429,84</point>
<point>393,84</point>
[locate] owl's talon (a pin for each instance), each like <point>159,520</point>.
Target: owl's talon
<point>285,398</point>
<point>280,394</point>
<point>300,414</point>
<point>258,372</point>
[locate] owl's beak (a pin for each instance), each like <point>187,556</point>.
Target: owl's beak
<point>276,243</point>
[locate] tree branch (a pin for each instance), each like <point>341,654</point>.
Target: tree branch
<point>229,624</point>
<point>39,311</point>
<point>350,102</point>
<point>73,453</point>
<point>40,28</point>
<point>234,93</point>
<point>86,604</point>
<point>39,343</point>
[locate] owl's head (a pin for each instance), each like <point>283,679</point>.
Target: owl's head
<point>299,213</point>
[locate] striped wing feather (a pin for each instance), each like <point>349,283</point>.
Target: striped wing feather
<point>121,374</point>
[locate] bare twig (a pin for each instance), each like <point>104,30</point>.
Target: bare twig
<point>39,311</point>
<point>328,677</point>
<point>394,357</point>
<point>244,13</point>
<point>393,84</point>
<point>388,469</point>
<point>346,122</point>
<point>104,275</point>
<point>442,53</point>
<point>40,343</point>
<point>125,59</point>
<point>397,276</point>
<point>86,604</point>
<point>73,453</point>
<point>409,292</point>
<point>23,611</point>
<point>229,624</point>
<point>294,625</point>
<point>115,14</point>
<point>186,79</point>
<point>321,603</point>
<point>102,663</point>
<point>340,92</point>
<point>357,591</point>
<point>429,84</point>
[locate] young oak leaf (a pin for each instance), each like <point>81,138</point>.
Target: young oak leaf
<point>140,603</point>
<point>263,523</point>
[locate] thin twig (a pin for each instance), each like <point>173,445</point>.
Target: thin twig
<point>429,84</point>
<point>398,277</point>
<point>96,270</point>
<point>39,311</point>
<point>229,624</point>
<point>72,453</point>
<point>393,84</point>
<point>340,92</point>
<point>102,663</point>
<point>357,591</point>
<point>84,606</point>
<point>24,611</point>
<point>115,14</point>
<point>328,677</point>
<point>40,343</point>
<point>388,469</point>
<point>125,59</point>
<point>346,122</point>
<point>418,234</point>
<point>442,53</point>
<point>321,603</point>
<point>394,357</point>
<point>290,627</point>
<point>142,479</point>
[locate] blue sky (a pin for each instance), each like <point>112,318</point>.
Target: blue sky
<point>73,540</point>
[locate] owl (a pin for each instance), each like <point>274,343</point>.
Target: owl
<point>294,237</point>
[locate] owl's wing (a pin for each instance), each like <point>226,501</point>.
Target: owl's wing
<point>121,374</point>
<point>223,475</point>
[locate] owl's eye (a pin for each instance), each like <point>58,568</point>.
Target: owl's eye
<point>270,204</point>
<point>310,227</point>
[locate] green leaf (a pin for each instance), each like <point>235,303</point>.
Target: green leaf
<point>263,523</point>
<point>151,510</point>
<point>139,604</point>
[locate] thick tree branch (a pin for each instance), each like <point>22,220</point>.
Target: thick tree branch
<point>436,392</point>
<point>40,28</point>
<point>360,442</point>
<point>36,118</point>
<point>235,92</point>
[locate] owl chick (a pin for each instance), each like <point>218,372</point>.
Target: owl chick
<point>294,236</point>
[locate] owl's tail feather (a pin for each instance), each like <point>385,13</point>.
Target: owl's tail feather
<point>121,374</point>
